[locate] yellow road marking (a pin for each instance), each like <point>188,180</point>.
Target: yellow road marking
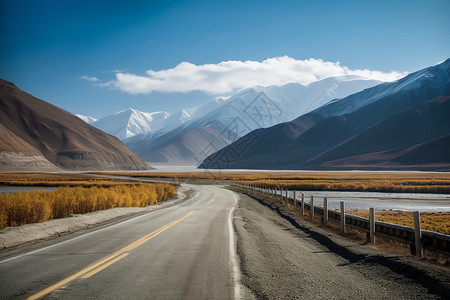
<point>70,278</point>
<point>104,266</point>
<point>213,198</point>
<point>109,260</point>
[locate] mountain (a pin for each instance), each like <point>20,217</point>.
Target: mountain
<point>36,135</point>
<point>130,122</point>
<point>249,109</point>
<point>188,115</point>
<point>380,127</point>
<point>188,148</point>
<point>87,119</point>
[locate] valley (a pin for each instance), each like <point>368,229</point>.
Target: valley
<point>225,149</point>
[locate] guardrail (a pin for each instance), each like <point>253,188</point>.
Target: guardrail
<point>417,239</point>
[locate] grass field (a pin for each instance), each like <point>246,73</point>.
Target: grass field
<point>77,194</point>
<point>106,189</point>
<point>315,181</point>
<point>57,180</point>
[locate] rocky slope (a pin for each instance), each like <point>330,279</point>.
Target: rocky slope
<point>38,135</point>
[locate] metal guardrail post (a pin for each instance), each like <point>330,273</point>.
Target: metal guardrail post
<point>312,208</point>
<point>325,211</point>
<point>372,225</point>
<point>343,229</point>
<point>418,235</point>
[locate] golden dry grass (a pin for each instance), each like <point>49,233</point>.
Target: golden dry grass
<point>432,221</point>
<point>77,194</point>
<point>46,179</point>
<point>21,208</point>
<point>331,181</point>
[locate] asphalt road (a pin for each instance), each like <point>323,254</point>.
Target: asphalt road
<point>284,256</point>
<point>182,252</point>
<point>187,251</point>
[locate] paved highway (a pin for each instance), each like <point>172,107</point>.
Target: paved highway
<point>181,252</point>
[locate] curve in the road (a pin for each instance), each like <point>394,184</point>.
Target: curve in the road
<point>191,256</point>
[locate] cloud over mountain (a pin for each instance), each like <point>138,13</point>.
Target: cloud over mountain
<point>229,76</point>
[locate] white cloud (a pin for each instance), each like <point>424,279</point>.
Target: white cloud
<point>229,76</point>
<point>91,79</point>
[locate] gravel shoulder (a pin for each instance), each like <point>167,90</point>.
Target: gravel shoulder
<point>15,240</point>
<point>282,256</point>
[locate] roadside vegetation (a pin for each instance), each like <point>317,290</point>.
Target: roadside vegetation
<point>432,221</point>
<point>57,180</point>
<point>77,195</point>
<point>319,181</point>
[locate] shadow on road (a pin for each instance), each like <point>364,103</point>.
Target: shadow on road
<point>394,264</point>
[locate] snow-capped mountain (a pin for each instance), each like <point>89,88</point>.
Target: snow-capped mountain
<point>249,109</point>
<point>261,107</point>
<point>87,119</point>
<point>189,114</point>
<point>130,122</point>
<point>396,125</point>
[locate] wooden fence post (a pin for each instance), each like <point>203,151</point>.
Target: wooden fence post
<point>325,211</point>
<point>372,225</point>
<point>287,197</point>
<point>418,235</point>
<point>295,200</point>
<point>343,230</point>
<point>312,208</point>
<point>303,205</point>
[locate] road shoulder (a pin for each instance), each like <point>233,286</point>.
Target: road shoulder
<point>285,257</point>
<point>16,240</point>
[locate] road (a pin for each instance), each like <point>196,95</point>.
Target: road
<point>187,251</point>
<point>284,256</point>
<point>181,252</point>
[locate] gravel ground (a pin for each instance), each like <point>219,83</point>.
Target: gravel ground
<point>283,256</point>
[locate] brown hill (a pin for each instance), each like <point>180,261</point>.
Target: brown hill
<point>415,138</point>
<point>30,127</point>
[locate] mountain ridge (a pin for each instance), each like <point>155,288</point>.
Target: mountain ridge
<point>295,144</point>
<point>247,110</point>
<point>34,127</point>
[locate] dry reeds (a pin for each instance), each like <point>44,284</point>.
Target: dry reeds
<point>432,221</point>
<point>21,208</point>
<point>420,182</point>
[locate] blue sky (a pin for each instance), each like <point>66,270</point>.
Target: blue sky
<point>48,46</point>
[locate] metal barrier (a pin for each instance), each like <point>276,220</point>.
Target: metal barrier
<point>418,239</point>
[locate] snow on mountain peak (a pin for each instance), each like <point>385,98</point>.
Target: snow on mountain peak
<point>87,119</point>
<point>130,122</point>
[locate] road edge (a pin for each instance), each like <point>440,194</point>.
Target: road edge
<point>8,252</point>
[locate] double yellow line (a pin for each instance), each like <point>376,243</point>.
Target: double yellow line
<point>109,260</point>
<point>213,198</point>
